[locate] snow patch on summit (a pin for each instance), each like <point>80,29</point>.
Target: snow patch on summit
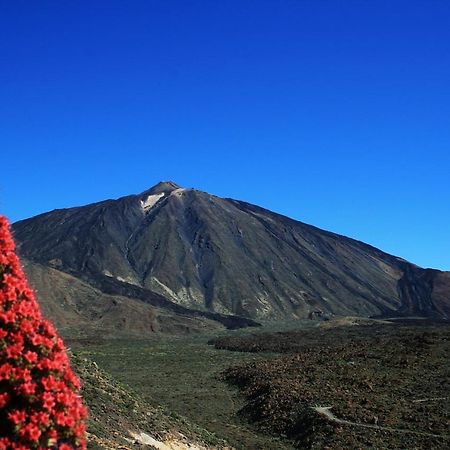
<point>151,201</point>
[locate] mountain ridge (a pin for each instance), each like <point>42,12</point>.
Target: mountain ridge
<point>230,257</point>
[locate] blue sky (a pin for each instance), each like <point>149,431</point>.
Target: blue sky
<point>336,113</point>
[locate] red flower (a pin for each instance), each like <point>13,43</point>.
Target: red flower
<point>27,327</point>
<point>5,371</point>
<point>49,383</point>
<point>40,418</point>
<point>20,374</point>
<point>65,447</point>
<point>27,389</point>
<point>31,357</point>
<point>14,351</point>
<point>17,417</point>
<point>48,401</point>
<point>4,398</point>
<point>8,317</point>
<point>31,432</point>
<point>5,444</point>
<point>39,403</point>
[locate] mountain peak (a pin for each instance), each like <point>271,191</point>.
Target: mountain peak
<point>212,254</point>
<point>162,186</point>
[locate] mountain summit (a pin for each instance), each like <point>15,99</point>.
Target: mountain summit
<point>162,187</point>
<point>226,256</point>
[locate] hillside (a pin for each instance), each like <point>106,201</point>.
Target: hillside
<point>120,419</point>
<point>201,252</point>
<point>113,309</point>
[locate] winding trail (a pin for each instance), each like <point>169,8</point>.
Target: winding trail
<point>325,412</point>
<point>431,399</point>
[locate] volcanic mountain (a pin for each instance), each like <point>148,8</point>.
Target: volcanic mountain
<point>186,250</point>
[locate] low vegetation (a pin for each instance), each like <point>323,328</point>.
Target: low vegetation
<point>387,385</point>
<point>182,376</point>
<point>117,414</point>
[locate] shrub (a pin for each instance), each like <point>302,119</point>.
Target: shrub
<point>40,406</point>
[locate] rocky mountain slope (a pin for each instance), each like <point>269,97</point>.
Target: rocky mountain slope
<point>114,309</point>
<point>196,251</point>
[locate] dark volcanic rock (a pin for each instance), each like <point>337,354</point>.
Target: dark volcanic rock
<point>220,255</point>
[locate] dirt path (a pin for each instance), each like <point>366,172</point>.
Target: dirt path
<point>325,412</point>
<point>431,399</point>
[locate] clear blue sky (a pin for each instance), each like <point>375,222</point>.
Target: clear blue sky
<point>336,113</point>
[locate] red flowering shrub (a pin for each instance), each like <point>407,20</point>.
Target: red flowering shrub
<point>40,406</point>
